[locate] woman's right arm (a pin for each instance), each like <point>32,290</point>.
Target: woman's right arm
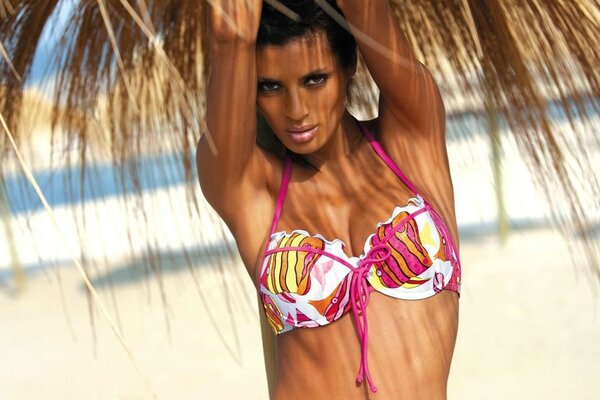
<point>233,173</point>
<point>229,165</point>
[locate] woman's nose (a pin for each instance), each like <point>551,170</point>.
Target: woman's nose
<point>296,107</point>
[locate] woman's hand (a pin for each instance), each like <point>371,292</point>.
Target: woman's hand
<point>234,19</point>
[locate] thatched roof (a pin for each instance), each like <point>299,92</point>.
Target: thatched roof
<point>144,67</point>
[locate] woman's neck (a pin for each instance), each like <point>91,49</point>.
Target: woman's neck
<point>340,146</point>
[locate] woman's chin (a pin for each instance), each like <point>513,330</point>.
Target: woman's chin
<point>303,146</point>
<point>303,149</point>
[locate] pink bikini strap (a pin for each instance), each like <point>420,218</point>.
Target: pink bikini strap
<point>386,158</point>
<point>285,180</point>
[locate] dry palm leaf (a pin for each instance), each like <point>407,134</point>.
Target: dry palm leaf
<point>133,70</point>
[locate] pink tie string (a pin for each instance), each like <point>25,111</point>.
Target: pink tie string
<point>359,293</point>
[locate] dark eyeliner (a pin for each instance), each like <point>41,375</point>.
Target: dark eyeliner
<point>261,86</point>
<point>322,77</point>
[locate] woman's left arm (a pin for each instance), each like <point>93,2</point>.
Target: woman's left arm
<point>407,89</point>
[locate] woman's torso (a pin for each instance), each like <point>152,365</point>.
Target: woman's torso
<point>411,342</point>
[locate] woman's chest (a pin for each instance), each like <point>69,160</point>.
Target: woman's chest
<point>348,208</point>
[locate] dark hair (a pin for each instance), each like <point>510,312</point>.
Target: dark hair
<point>278,29</point>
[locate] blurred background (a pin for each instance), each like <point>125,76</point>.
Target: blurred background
<point>529,317</point>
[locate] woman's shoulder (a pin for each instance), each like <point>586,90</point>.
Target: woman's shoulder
<point>248,208</point>
<point>401,138</point>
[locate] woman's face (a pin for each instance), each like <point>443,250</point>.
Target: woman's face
<point>302,91</point>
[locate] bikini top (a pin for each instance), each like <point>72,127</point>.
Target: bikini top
<point>308,281</point>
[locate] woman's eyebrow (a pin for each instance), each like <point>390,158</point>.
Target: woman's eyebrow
<point>319,71</point>
<point>266,79</point>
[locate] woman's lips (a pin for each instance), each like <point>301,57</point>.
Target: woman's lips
<point>302,134</point>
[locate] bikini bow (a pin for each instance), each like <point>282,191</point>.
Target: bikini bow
<point>360,294</point>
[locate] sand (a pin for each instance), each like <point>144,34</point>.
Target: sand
<point>529,329</point>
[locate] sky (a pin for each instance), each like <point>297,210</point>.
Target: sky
<point>43,69</point>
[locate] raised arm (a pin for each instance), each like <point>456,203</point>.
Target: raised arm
<point>231,102</point>
<point>407,89</point>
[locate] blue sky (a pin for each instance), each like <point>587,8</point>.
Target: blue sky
<point>43,68</point>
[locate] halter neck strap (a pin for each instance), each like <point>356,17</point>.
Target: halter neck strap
<point>285,180</point>
<point>386,158</point>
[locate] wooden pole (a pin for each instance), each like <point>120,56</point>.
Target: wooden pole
<point>496,147</point>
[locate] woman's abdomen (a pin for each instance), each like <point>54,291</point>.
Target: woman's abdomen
<point>410,347</point>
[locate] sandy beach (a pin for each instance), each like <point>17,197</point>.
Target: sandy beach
<point>529,329</point>
<point>529,319</point>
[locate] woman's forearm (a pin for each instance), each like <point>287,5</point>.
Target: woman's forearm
<point>406,86</point>
<point>378,35</point>
<point>224,158</point>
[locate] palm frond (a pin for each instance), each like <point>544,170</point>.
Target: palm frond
<point>134,73</point>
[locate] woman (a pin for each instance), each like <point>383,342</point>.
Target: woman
<point>344,229</point>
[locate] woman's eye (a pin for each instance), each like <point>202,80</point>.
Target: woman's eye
<point>316,80</point>
<point>267,87</point>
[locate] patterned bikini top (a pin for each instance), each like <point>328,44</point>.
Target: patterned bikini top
<point>308,281</point>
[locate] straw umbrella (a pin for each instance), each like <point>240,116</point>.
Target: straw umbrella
<point>128,70</point>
